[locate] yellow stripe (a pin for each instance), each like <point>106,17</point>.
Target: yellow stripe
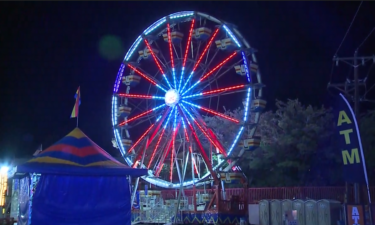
<point>77,133</point>
<point>73,115</point>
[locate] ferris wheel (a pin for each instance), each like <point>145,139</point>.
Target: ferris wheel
<point>181,69</point>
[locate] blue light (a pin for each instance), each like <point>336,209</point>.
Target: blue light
<point>158,97</point>
<point>166,79</point>
<point>183,123</point>
<point>158,107</point>
<point>118,78</point>
<point>175,121</point>
<point>169,117</point>
<point>155,25</point>
<point>191,116</point>
<point>187,81</point>
<point>161,88</point>
<point>189,103</point>
<point>247,104</point>
<point>192,96</point>
<point>132,48</point>
<point>182,76</point>
<point>231,35</point>
<point>235,140</point>
<point>174,78</point>
<point>181,14</point>
<point>246,66</point>
<point>192,87</point>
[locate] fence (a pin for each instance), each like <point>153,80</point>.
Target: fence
<point>257,194</point>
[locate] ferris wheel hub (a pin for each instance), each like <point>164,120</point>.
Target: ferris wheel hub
<point>172,97</point>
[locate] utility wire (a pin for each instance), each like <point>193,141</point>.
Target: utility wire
<point>369,34</point>
<point>347,31</point>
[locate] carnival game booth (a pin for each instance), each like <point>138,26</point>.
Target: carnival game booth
<point>79,183</point>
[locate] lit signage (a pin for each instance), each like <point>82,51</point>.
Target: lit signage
<point>3,186</point>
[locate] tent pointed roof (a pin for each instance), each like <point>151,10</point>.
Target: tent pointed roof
<point>77,154</point>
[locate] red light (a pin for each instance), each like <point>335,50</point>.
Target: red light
<point>172,157</point>
<point>220,115</point>
<point>201,149</point>
<point>195,165</point>
<point>208,137</point>
<point>135,164</point>
<point>161,163</point>
<point>136,117</point>
<point>205,49</point>
<point>188,42</point>
<point>218,66</point>
<point>139,139</point>
<point>170,44</point>
<point>135,96</point>
<point>142,74</point>
<point>217,142</point>
<point>186,135</point>
<point>223,89</point>
<point>156,147</point>
<point>153,56</point>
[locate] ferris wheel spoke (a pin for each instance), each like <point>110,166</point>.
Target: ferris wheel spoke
<point>141,115</point>
<point>141,96</point>
<point>210,132</point>
<point>165,64</point>
<point>160,137</point>
<point>156,147</point>
<point>196,138</point>
<point>157,63</point>
<point>193,159</point>
<point>140,139</point>
<point>186,52</point>
<point>171,55</point>
<point>212,112</point>
<point>160,153</point>
<point>216,92</point>
<point>204,131</point>
<point>201,57</point>
<point>145,119</point>
<point>148,78</point>
<point>210,72</point>
<point>208,82</point>
<point>166,152</point>
<point>150,139</point>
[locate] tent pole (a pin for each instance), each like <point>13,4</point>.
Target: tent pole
<point>137,180</point>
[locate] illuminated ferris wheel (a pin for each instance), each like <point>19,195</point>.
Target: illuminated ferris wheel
<point>180,70</point>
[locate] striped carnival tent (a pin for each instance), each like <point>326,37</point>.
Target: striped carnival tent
<point>80,183</point>
<point>77,154</point>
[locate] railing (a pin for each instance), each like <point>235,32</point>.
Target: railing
<point>254,195</point>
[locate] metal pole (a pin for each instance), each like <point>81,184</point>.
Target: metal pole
<point>185,161</point>
<point>356,112</point>
<point>137,181</point>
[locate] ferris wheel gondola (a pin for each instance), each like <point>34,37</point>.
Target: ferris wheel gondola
<point>177,71</point>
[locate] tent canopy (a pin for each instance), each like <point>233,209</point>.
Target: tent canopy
<point>77,154</point>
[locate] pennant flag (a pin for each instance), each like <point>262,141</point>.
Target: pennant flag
<point>39,150</point>
<point>77,96</point>
<point>349,143</point>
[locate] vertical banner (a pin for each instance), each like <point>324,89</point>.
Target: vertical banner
<point>349,143</point>
<point>355,215</point>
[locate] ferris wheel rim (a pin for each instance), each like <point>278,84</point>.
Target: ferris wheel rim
<point>150,177</point>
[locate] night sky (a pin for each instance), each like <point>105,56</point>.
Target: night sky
<point>48,49</point>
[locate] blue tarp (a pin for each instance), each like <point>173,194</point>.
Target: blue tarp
<point>78,200</point>
<point>81,184</point>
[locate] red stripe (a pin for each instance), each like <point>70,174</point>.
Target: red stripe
<point>81,152</point>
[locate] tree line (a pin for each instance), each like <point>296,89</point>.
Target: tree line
<point>297,146</point>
